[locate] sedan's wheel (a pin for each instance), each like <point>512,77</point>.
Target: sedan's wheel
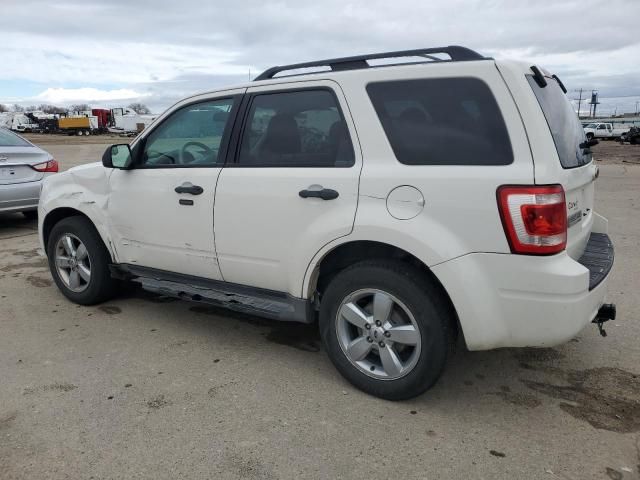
<point>387,328</point>
<point>73,262</point>
<point>378,334</point>
<point>79,261</point>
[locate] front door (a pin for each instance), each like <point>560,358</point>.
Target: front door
<point>292,188</point>
<point>161,211</point>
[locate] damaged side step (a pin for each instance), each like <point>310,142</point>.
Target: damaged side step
<point>240,298</point>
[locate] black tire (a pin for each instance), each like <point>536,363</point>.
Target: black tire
<point>589,136</point>
<point>426,303</point>
<point>30,214</point>
<point>101,286</point>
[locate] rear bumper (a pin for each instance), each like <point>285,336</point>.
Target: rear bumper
<point>18,197</point>
<point>505,300</point>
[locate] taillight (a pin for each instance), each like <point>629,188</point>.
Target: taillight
<point>50,166</point>
<point>534,218</point>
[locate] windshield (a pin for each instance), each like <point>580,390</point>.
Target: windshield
<point>591,125</point>
<point>8,139</point>
<point>563,122</point>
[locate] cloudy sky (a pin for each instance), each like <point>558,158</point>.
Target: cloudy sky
<point>112,52</point>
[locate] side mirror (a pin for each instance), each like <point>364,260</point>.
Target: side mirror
<point>117,156</point>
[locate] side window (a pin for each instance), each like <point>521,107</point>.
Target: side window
<point>191,136</point>
<point>442,121</point>
<point>602,127</point>
<point>302,128</point>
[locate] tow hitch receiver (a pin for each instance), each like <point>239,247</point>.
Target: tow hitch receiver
<point>605,313</point>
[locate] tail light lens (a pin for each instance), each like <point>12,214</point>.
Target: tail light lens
<point>50,166</point>
<point>534,218</point>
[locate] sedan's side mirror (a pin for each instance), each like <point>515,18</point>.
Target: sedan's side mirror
<point>117,156</point>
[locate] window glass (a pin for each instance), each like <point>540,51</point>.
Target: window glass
<point>296,129</point>
<point>191,136</point>
<point>442,121</point>
<point>8,139</point>
<point>565,127</point>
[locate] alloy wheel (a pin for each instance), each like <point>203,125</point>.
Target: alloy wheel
<point>73,263</point>
<point>378,334</point>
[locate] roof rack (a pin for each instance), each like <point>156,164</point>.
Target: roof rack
<point>457,54</point>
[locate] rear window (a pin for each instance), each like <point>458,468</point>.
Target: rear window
<point>8,139</point>
<point>563,122</point>
<point>442,121</point>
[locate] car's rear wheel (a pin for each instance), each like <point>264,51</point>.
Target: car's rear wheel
<point>589,136</point>
<point>387,328</point>
<point>79,262</point>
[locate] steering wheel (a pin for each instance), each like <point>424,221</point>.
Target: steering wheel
<point>187,157</point>
<point>153,158</point>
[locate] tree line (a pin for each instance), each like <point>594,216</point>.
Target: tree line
<point>139,108</point>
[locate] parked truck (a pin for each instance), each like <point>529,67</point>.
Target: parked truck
<point>126,121</point>
<point>18,122</point>
<point>604,130</point>
<point>78,125</point>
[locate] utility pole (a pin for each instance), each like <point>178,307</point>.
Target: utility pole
<point>637,103</point>
<point>594,103</point>
<point>580,102</point>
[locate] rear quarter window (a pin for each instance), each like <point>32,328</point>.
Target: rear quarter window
<point>564,125</point>
<point>442,121</point>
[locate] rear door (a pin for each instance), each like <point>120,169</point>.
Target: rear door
<point>575,170</point>
<point>292,187</point>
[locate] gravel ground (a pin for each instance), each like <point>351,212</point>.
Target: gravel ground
<point>148,387</point>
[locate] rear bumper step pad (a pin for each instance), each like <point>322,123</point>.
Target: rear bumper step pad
<point>598,258</point>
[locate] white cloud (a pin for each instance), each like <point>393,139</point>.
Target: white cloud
<point>86,95</point>
<point>34,56</point>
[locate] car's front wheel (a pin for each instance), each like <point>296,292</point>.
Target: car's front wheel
<point>79,262</point>
<point>387,328</point>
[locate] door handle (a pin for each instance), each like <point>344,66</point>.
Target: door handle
<point>323,193</point>
<point>188,187</point>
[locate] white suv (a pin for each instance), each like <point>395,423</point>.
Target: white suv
<point>399,204</point>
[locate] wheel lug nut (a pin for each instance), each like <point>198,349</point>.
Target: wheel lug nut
<point>378,323</point>
<point>387,334</point>
<point>367,326</point>
<point>369,339</point>
<point>381,344</point>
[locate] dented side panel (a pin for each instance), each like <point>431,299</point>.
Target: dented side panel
<point>151,228</point>
<point>84,188</point>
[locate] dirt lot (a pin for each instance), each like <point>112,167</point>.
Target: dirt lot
<point>148,387</point>
<point>44,140</point>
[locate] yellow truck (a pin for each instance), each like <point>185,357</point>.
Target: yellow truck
<point>79,125</point>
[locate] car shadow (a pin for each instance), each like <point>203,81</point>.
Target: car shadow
<point>16,224</point>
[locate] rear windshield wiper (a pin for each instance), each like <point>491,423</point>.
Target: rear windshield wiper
<point>584,146</point>
<point>589,143</point>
